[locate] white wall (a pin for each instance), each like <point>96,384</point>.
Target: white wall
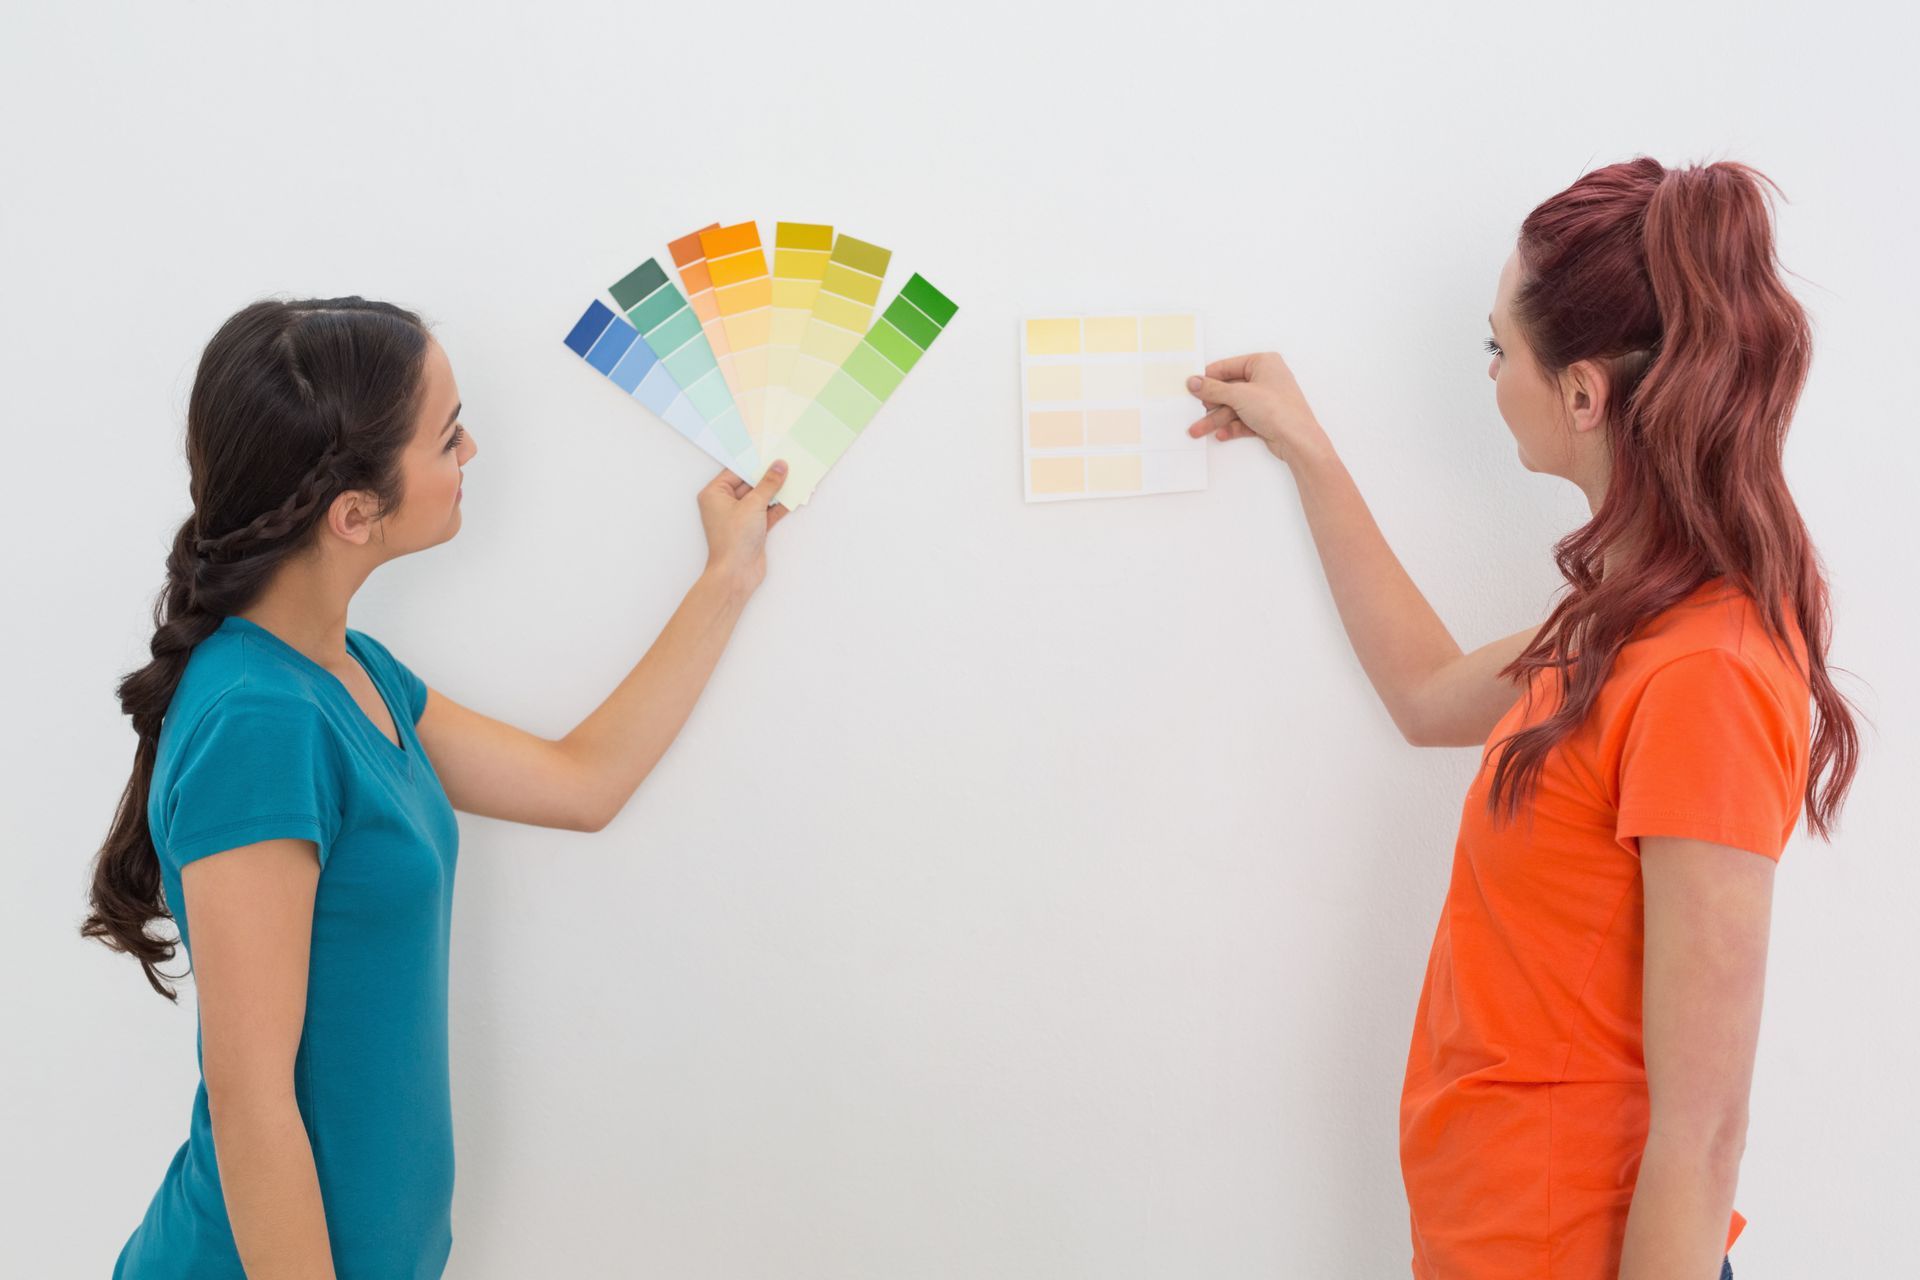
<point>1037,891</point>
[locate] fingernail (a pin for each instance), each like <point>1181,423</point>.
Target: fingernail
<point>779,466</point>
<point>1193,383</point>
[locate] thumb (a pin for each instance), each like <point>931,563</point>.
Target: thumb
<point>770,482</point>
<point>1214,391</point>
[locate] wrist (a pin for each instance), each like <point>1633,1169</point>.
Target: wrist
<point>1313,455</point>
<point>730,582</point>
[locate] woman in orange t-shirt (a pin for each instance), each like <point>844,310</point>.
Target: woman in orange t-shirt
<point>1576,1090</point>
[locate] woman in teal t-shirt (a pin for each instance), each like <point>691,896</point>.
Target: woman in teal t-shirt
<point>292,799</point>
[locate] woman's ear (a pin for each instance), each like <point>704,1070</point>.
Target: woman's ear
<point>1584,387</point>
<point>351,515</point>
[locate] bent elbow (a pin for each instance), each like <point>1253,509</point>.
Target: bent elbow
<point>248,1091</point>
<point>1418,730</point>
<point>1717,1136</point>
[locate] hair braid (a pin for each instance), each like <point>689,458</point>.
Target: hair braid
<point>278,380</point>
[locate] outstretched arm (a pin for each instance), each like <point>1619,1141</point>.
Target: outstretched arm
<point>1437,695</point>
<point>582,780</point>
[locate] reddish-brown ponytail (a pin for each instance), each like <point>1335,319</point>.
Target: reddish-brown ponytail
<point>1669,278</point>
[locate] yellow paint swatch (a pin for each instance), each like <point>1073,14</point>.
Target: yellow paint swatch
<point>1053,337</point>
<point>1111,333</point>
<point>1166,333</point>
<point>1053,382</point>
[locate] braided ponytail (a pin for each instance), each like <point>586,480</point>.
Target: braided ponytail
<point>293,404</point>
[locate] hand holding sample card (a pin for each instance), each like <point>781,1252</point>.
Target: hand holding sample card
<point>753,365</point>
<point>1105,406</point>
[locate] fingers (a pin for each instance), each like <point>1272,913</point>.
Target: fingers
<point>770,482</point>
<point>1231,369</point>
<point>1212,421</point>
<point>776,513</point>
<point>1213,392</point>
<point>725,481</point>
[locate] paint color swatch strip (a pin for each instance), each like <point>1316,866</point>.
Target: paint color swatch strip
<point>801,254</point>
<point>690,260</point>
<point>852,393</point>
<point>737,266</point>
<point>842,311</point>
<point>1105,407</point>
<point>614,347</point>
<point>668,325</point>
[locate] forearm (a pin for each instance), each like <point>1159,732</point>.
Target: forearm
<point>618,745</point>
<point>271,1188</point>
<point>1682,1204</point>
<point>1399,639</point>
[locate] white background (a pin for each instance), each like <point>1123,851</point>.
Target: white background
<point>1038,891</point>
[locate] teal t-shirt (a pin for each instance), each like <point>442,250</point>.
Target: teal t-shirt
<point>260,741</point>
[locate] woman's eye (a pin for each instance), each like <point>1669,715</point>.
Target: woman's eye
<point>459,433</point>
<point>1491,347</point>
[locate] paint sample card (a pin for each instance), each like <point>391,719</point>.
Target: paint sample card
<point>852,393</point>
<point>801,252</point>
<point>690,260</point>
<point>616,349</point>
<point>737,267</point>
<point>1104,405</point>
<point>842,313</point>
<point>674,334</point>
<point>762,350</point>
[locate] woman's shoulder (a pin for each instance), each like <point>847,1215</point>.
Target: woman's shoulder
<point>229,674</point>
<point>1720,626</point>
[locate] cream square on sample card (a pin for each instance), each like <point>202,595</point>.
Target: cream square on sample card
<point>1053,382</point>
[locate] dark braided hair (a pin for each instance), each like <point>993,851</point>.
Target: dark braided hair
<point>293,404</point>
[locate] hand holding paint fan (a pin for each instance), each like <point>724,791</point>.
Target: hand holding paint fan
<point>752,365</point>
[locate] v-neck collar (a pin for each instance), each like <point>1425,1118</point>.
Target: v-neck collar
<point>399,749</point>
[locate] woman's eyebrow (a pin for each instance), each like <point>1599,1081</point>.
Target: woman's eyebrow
<point>451,417</point>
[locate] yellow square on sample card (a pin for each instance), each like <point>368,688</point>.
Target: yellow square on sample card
<point>1167,333</point>
<point>1053,382</point>
<point>1110,333</point>
<point>1053,337</point>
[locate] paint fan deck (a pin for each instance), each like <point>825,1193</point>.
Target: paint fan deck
<point>754,360</point>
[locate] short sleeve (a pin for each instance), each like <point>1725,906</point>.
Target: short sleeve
<point>258,766</point>
<point>413,689</point>
<point>1710,754</point>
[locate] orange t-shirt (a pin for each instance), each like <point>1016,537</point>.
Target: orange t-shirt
<point>1524,1111</point>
